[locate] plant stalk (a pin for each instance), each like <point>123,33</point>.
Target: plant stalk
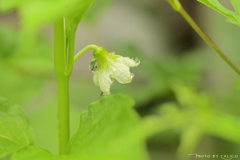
<point>91,46</point>
<point>177,7</point>
<point>60,65</point>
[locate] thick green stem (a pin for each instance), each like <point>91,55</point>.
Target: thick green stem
<point>71,51</point>
<point>177,6</point>
<point>60,66</point>
<point>63,113</point>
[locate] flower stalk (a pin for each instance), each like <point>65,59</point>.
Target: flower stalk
<point>91,46</point>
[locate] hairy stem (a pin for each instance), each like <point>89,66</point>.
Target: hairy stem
<point>60,66</point>
<point>177,6</point>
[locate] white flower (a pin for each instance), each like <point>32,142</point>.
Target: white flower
<point>107,66</point>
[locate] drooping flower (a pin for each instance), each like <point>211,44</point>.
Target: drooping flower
<point>108,66</point>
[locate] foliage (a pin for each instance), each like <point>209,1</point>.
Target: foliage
<point>104,130</point>
<point>47,11</point>
<point>24,73</point>
<point>101,128</point>
<point>232,17</point>
<point>15,130</point>
<point>197,117</point>
<point>110,128</point>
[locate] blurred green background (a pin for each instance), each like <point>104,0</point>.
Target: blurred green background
<point>169,50</point>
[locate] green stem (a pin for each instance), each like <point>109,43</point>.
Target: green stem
<point>177,6</point>
<point>91,46</point>
<point>71,51</point>
<point>60,65</point>
<point>63,113</point>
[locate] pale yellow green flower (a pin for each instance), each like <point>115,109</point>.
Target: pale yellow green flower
<point>108,66</point>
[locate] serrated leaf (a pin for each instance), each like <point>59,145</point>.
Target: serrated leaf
<point>15,130</point>
<point>232,17</point>
<point>107,121</point>
<point>109,130</point>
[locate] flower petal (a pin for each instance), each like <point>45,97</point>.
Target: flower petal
<point>102,79</point>
<point>127,61</point>
<point>120,72</point>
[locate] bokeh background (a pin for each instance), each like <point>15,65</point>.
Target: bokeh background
<point>169,50</point>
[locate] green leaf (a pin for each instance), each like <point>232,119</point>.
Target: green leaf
<point>23,74</point>
<point>79,8</point>
<point>103,125</point>
<point>97,9</point>
<point>188,97</point>
<point>109,130</point>
<point>15,130</point>
<point>32,65</point>
<point>236,5</point>
<point>189,139</point>
<point>11,4</point>
<point>35,153</point>
<point>32,153</point>
<point>207,119</point>
<point>224,126</point>
<point>232,17</point>
<point>38,12</point>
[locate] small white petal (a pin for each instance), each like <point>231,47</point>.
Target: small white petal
<point>96,77</point>
<point>101,78</point>
<point>127,61</point>
<point>121,73</point>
